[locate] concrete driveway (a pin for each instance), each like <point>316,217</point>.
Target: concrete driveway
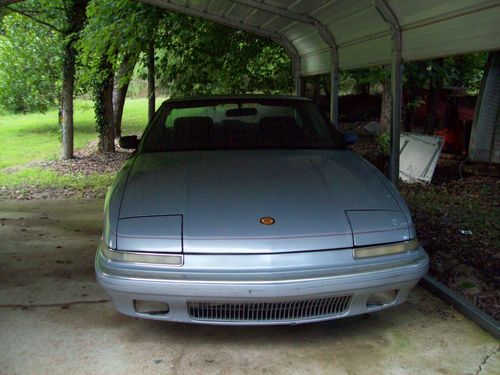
<point>55,319</point>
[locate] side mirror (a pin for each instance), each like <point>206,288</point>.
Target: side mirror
<point>129,142</point>
<point>350,138</point>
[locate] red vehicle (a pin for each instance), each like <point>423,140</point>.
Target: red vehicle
<point>454,116</point>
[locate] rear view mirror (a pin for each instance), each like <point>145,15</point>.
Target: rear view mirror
<point>350,138</point>
<point>129,142</point>
<point>237,112</point>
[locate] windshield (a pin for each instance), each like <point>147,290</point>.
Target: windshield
<point>239,124</point>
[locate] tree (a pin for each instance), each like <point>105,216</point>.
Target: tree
<point>66,17</point>
<point>193,57</point>
<point>376,76</point>
<point>74,11</point>
<point>198,57</point>
<point>436,76</point>
<point>386,103</point>
<point>118,31</point>
<point>30,64</point>
<point>458,71</point>
<point>461,73</point>
<point>103,105</point>
<point>151,80</point>
<point>122,80</point>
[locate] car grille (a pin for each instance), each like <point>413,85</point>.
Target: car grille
<point>269,311</point>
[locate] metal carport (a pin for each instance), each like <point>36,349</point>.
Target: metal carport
<point>323,36</point>
<point>40,332</point>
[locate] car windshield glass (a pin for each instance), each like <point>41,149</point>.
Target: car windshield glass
<point>239,124</point>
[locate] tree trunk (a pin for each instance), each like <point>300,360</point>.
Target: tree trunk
<point>75,18</point>
<point>109,135</point>
<point>435,86</point>
<point>104,109</point>
<point>410,108</point>
<point>151,81</point>
<point>386,106</point>
<point>119,96</point>
<point>432,104</point>
<point>362,88</point>
<point>121,84</point>
<point>67,101</point>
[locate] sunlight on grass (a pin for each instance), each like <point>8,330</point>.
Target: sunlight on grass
<point>44,178</point>
<point>36,136</point>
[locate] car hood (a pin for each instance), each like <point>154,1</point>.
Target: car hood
<point>219,197</point>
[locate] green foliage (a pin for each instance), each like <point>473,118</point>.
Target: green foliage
<point>30,65</point>
<point>193,56</point>
<point>115,29</point>
<point>50,13</point>
<point>464,71</point>
<point>375,75</point>
<point>384,142</point>
<point>197,57</point>
<point>270,70</point>
<point>99,108</point>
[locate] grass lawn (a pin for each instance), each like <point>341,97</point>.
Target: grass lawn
<point>33,137</point>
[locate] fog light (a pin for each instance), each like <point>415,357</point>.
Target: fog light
<point>151,307</point>
<point>382,298</point>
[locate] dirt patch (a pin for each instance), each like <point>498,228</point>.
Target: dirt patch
<point>457,218</point>
<point>88,161</point>
<point>458,224</point>
<point>29,192</point>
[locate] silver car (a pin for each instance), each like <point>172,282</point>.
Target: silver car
<point>252,210</point>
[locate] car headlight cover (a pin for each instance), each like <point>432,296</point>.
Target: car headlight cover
<point>388,249</point>
<point>142,257</point>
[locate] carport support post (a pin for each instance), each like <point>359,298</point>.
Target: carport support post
<point>297,73</point>
<point>334,91</point>
<point>298,82</point>
<point>396,94</point>
<point>396,86</point>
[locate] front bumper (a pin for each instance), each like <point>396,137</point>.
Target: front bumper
<point>260,279</point>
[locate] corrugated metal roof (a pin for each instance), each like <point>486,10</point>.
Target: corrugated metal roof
<point>308,28</point>
<point>430,28</point>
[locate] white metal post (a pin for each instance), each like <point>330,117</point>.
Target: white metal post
<point>396,94</point>
<point>297,75</point>
<point>334,91</point>
<point>396,87</point>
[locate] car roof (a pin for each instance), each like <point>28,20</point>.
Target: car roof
<point>237,97</point>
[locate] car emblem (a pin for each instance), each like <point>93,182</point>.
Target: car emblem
<point>267,220</point>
